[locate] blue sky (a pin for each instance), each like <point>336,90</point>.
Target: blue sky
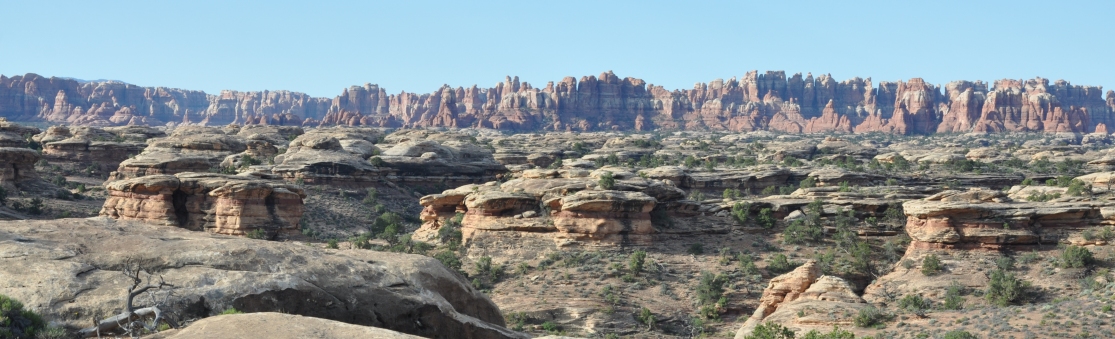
<point>322,47</point>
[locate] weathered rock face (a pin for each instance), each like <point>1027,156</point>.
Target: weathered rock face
<point>17,167</point>
<point>566,206</point>
<point>188,149</point>
<point>453,162</point>
<point>110,103</point>
<point>320,157</point>
<point>78,261</point>
<point>217,203</point>
<point>804,298</point>
<point>771,101</point>
<point>88,145</point>
<point>14,135</point>
<point>982,219</point>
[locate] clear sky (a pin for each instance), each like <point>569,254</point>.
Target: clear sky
<point>322,47</point>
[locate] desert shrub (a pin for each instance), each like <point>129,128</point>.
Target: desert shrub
<point>771,330</point>
<point>931,265</point>
<point>870,317</point>
<point>845,187</point>
<point>258,233</point>
<point>779,263</point>
<point>371,197</point>
<point>1004,263</point>
<point>695,249</point>
<point>808,182</point>
<point>741,212</point>
<point>35,207</point>
<point>766,218</point>
<point>953,298</point>
<point>769,190</point>
<point>958,334</point>
<point>376,161</point>
<point>331,244</point>
<point>1076,257</point>
<point>551,327</point>
<point>747,265</point>
<point>1078,188</point>
<point>231,310</point>
<point>646,317</point>
<point>485,268</point>
<point>836,333</point>
<point>711,287</point>
<point>1004,288</point>
<point>913,303</point>
<point>636,261</point>
<point>607,181</point>
<point>449,259</point>
<point>16,322</point>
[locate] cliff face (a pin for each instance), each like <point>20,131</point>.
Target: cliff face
<point>770,101</point>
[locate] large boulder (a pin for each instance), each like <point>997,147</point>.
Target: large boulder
<point>18,167</point>
<point>226,204</point>
<point>14,135</point>
<point>69,270</point>
<point>276,326</point>
<point>804,299</point>
<point>319,157</point>
<point>188,149</point>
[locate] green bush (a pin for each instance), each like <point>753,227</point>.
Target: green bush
<point>449,259</point>
<point>914,303</point>
<point>958,334</point>
<point>636,261</point>
<point>766,218</point>
<point>1004,263</point>
<point>231,310</point>
<point>1004,288</point>
<point>332,244</point>
<point>780,264</point>
<point>870,317</point>
<point>931,265</point>
<point>836,333</point>
<point>953,298</point>
<point>771,330</point>
<point>16,322</point>
<point>747,265</point>
<point>1076,257</point>
<point>607,181</point>
<point>741,212</point>
<point>646,317</point>
<point>711,287</point>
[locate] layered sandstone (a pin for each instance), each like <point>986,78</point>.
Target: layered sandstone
<point>225,204</point>
<point>17,167</point>
<point>566,206</point>
<point>188,149</point>
<point>769,101</point>
<point>990,220</point>
<point>13,134</point>
<point>87,145</point>
<point>803,298</point>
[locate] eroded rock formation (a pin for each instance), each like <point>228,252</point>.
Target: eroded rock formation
<point>769,101</point>
<point>225,204</point>
<point>565,206</point>
<point>805,298</point>
<point>17,167</point>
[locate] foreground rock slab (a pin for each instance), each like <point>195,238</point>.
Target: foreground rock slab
<point>69,271</point>
<point>276,326</point>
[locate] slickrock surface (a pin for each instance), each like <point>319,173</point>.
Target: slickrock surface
<point>771,101</point>
<point>187,149</point>
<point>225,204</point>
<point>69,270</point>
<point>803,298</point>
<point>277,326</point>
